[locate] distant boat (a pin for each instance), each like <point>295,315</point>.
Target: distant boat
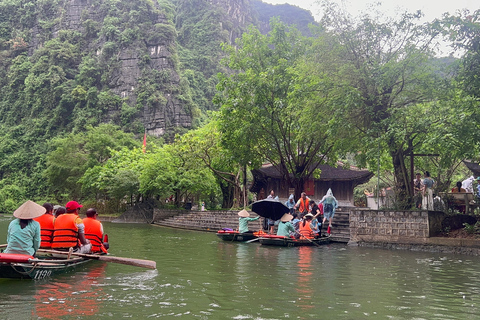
<point>281,241</point>
<point>232,235</point>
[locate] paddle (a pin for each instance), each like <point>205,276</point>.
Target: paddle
<point>128,261</point>
<point>301,235</point>
<point>253,240</point>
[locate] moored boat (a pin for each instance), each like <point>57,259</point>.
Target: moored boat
<point>232,235</point>
<point>19,266</point>
<point>280,241</point>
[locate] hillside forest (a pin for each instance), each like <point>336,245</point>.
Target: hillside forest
<point>216,88</point>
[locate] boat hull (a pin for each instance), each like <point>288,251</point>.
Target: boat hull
<point>289,242</point>
<point>235,236</point>
<point>39,268</point>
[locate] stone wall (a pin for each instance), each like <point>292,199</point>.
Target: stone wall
<point>394,226</point>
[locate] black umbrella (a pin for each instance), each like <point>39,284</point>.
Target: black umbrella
<point>270,208</point>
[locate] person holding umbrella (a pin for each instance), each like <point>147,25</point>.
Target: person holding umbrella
<point>244,218</point>
<point>271,222</point>
<point>23,235</point>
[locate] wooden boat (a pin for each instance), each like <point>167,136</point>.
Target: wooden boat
<point>20,266</point>
<point>232,235</point>
<point>281,241</point>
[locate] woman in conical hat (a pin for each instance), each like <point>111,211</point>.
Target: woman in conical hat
<point>23,235</point>
<point>244,218</point>
<point>285,227</point>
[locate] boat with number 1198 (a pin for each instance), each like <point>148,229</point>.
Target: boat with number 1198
<point>22,266</point>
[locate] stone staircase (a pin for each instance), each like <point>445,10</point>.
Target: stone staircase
<point>206,220</point>
<point>212,221</point>
<point>340,225</point>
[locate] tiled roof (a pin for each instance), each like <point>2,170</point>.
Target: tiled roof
<point>328,173</point>
<point>473,166</point>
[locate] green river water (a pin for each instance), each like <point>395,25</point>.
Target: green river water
<point>199,276</point>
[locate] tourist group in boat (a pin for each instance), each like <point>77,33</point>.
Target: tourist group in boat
<point>304,221</point>
<point>58,228</point>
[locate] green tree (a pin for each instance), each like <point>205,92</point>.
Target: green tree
<point>71,156</point>
<point>464,31</point>
<point>388,62</point>
<point>272,108</point>
<point>205,145</point>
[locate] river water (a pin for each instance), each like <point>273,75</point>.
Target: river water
<point>199,276</point>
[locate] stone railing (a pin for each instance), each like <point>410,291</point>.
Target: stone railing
<point>394,226</point>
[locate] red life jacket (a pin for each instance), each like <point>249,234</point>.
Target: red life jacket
<point>65,234</point>
<point>93,232</point>
<point>305,230</point>
<point>304,205</point>
<point>46,232</point>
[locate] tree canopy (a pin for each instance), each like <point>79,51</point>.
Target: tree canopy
<point>273,109</point>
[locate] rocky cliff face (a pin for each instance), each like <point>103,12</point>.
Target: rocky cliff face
<point>156,62</point>
<point>138,61</point>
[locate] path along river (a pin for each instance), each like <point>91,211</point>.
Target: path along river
<point>201,277</point>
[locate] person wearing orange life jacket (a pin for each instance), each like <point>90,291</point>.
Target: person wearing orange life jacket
<point>304,228</point>
<point>46,226</point>
<point>69,230</point>
<point>302,205</point>
<point>94,231</point>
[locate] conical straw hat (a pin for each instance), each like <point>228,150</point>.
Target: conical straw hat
<point>29,210</point>
<point>244,213</point>
<point>286,217</point>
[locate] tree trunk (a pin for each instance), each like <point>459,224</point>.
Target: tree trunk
<point>299,185</point>
<point>227,195</point>
<point>402,181</point>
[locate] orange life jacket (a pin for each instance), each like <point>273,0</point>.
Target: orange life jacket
<point>305,230</point>
<point>93,232</point>
<point>304,205</point>
<point>65,234</point>
<point>46,232</point>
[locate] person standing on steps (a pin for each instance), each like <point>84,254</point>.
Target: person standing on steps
<point>330,203</point>
<point>271,222</point>
<point>290,204</point>
<point>302,205</point>
<point>428,183</point>
<point>418,187</point>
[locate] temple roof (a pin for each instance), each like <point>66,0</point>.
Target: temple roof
<point>473,166</point>
<point>328,173</point>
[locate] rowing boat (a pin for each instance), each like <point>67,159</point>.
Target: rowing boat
<point>281,241</point>
<point>20,266</point>
<point>232,235</point>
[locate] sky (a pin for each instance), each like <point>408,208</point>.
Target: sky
<point>431,8</point>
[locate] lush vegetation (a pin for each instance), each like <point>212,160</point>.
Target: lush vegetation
<point>368,89</point>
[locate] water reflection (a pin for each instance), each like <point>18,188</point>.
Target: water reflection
<point>304,288</point>
<point>201,277</point>
<point>79,295</point>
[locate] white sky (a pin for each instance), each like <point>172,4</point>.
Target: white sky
<point>431,8</point>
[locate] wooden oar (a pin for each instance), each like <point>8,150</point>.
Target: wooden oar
<point>128,261</point>
<point>253,240</point>
<point>301,235</point>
